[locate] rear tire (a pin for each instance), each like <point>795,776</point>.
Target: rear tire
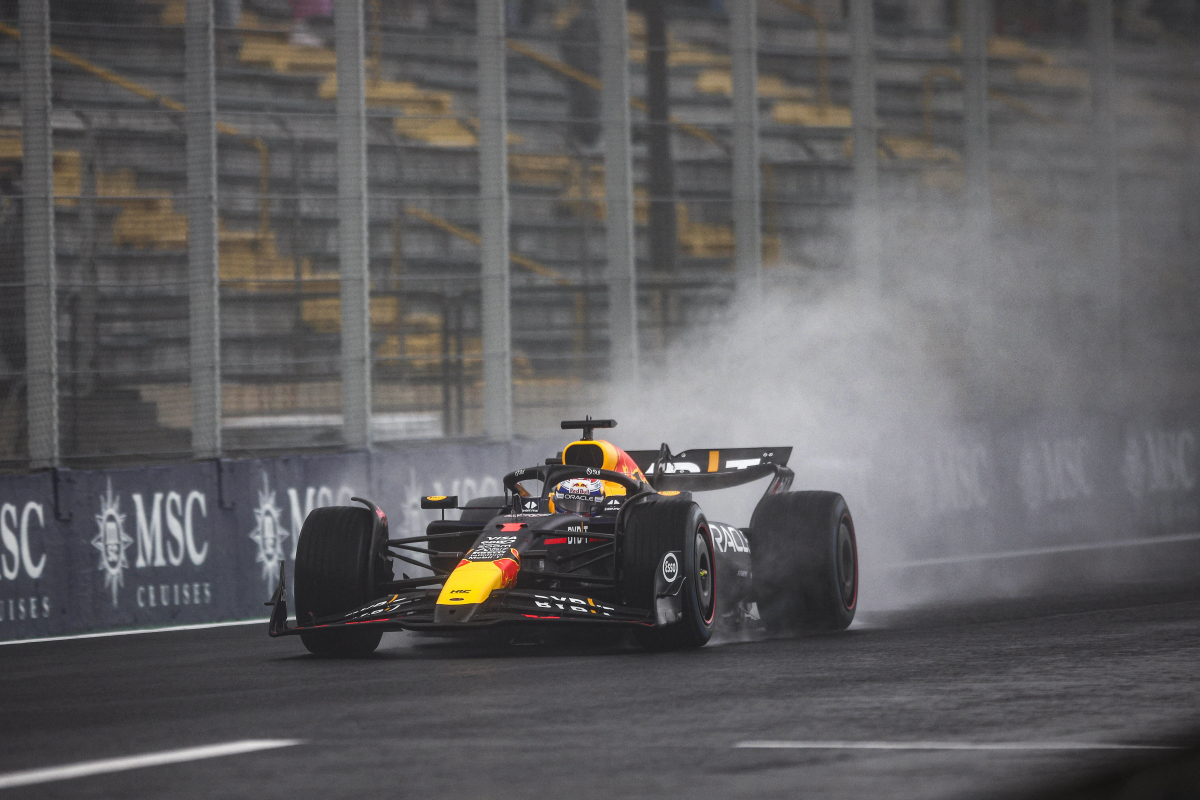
<point>652,530</point>
<point>479,511</point>
<point>805,562</point>
<point>482,509</point>
<point>333,568</point>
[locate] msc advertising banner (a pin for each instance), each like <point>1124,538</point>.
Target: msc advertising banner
<point>35,562</point>
<point>190,543</point>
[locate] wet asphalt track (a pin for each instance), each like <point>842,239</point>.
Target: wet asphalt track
<point>426,718</point>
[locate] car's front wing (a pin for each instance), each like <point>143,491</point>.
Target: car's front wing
<point>414,610</point>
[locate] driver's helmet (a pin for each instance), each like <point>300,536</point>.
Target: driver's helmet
<point>578,496</point>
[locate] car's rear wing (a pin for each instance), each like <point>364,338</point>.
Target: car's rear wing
<point>699,470</point>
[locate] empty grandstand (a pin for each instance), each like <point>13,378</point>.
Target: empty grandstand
<point>119,85</point>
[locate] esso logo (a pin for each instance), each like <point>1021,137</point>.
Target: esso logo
<point>670,567</point>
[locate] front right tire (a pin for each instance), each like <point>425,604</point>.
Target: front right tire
<point>652,530</point>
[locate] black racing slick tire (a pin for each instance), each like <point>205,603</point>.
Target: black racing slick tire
<point>805,562</point>
<point>652,530</point>
<point>333,569</point>
<point>478,512</point>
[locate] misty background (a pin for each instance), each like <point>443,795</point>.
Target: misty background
<point>1011,398</point>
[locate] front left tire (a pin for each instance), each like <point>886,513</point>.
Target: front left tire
<point>334,576</point>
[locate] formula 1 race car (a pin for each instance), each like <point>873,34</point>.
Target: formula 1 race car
<point>595,536</point>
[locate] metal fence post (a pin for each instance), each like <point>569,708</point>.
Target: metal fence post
<point>618,194</point>
<point>83,327</point>
<point>975,18</point>
<point>663,228</point>
<point>1107,185</point>
<point>41,326</point>
<point>747,176</point>
<point>980,284</point>
<point>204,276</point>
<point>866,235</point>
<point>353,244</point>
<point>493,221</point>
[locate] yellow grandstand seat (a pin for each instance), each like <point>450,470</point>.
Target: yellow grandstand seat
<point>1062,77</point>
<point>324,314</point>
<point>283,56</point>
<point>679,53</point>
<point>720,81</point>
<point>811,115</point>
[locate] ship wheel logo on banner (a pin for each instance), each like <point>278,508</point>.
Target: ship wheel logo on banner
<point>268,532</point>
<point>112,542</point>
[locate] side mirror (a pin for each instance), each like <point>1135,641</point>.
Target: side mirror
<point>532,505</point>
<point>439,501</point>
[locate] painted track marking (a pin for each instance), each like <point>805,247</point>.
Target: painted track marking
<point>85,768</point>
<point>983,746</point>
<point>133,632</point>
<point>1046,551</point>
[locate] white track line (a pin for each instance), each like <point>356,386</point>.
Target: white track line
<point>985,746</point>
<point>1046,551</point>
<point>135,631</point>
<point>84,768</point>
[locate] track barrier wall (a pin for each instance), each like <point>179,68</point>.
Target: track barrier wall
<point>84,551</point>
<point>1045,482</point>
<point>1046,506</point>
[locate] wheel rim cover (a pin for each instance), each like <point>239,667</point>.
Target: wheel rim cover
<point>847,565</point>
<point>705,596</point>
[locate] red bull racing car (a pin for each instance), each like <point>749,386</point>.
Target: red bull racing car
<point>595,536</point>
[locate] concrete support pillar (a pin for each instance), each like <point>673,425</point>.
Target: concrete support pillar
<point>353,247</point>
<point>41,290</point>
<point>203,275</point>
<point>618,194</point>
<point>747,174</point>
<point>493,221</point>
<point>866,235</point>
